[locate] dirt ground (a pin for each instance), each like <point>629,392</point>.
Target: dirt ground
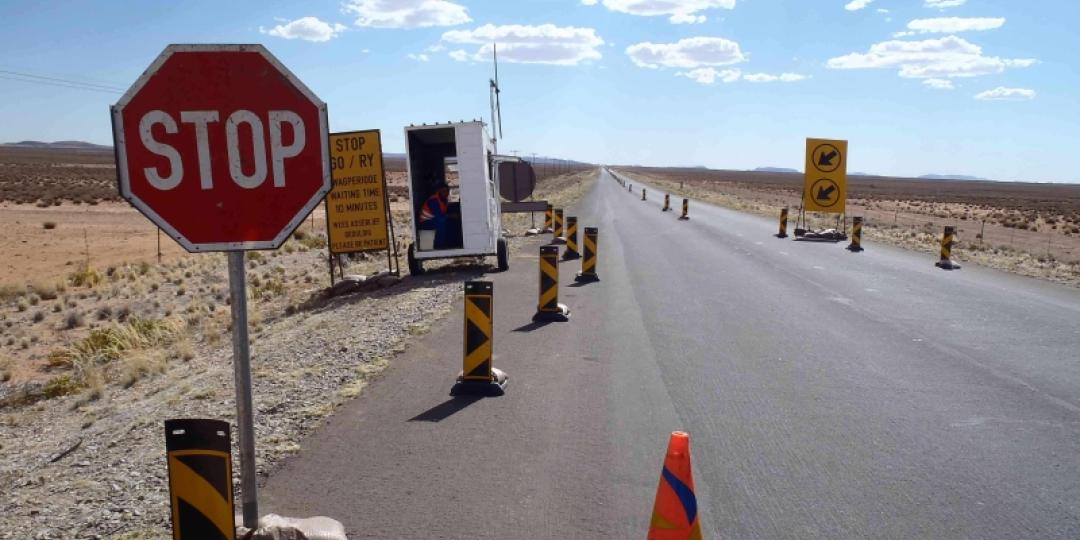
<point>1028,229</point>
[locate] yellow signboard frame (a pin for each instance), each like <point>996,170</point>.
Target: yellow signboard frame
<point>825,186</point>
<point>358,215</point>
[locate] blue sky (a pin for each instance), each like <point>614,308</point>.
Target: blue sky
<point>982,87</point>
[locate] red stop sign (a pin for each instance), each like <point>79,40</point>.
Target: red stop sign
<point>222,147</point>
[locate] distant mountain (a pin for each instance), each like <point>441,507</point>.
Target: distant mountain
<point>59,145</point>
<point>775,170</point>
<point>949,177</point>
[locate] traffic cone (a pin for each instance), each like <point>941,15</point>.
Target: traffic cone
<point>675,514</point>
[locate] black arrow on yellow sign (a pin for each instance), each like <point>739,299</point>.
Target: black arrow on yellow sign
<point>826,158</point>
<point>825,193</point>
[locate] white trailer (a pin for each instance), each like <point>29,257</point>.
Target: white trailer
<point>462,156</point>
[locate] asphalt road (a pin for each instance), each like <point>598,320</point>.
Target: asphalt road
<point>827,395</point>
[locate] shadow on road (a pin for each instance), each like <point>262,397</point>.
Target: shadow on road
<point>535,325</point>
<point>582,283</point>
<point>446,409</point>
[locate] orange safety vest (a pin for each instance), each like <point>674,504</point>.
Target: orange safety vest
<point>427,213</point>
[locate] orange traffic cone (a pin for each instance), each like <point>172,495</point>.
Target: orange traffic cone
<point>675,514</point>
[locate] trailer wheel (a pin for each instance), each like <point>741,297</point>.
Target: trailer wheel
<point>503,255</point>
<point>416,267</point>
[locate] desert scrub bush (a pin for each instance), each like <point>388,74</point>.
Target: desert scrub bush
<point>7,366</point>
<point>49,225</point>
<point>85,276</point>
<point>73,320</point>
<point>104,313</point>
<point>38,317</point>
<point>47,292</point>
<point>61,386</point>
<point>139,364</point>
<point>109,343</point>
<point>22,305</point>
<point>254,256</point>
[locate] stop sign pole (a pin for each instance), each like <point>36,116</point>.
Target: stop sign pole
<point>224,149</point>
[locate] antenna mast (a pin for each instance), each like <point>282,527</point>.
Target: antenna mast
<point>493,98</point>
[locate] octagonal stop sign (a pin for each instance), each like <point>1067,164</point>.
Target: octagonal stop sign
<point>222,147</point>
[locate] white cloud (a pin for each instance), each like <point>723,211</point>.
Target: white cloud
<point>459,55</point>
<point>419,57</point>
<point>943,4</point>
<point>1006,94</point>
<point>856,5</point>
<point>902,34</point>
<point>952,25</point>
<point>767,77</point>
<point>709,75</point>
<point>677,11</point>
<point>939,84</point>
<point>407,13</point>
<point>929,59</point>
<point>307,29</point>
<point>543,44</point>
<point>686,53</point>
<point>882,10</point>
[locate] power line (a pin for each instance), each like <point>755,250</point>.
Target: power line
<point>56,81</point>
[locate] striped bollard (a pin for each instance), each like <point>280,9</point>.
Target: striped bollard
<point>549,309</point>
<point>557,233</point>
<point>856,235</point>
<point>947,240</point>
<point>630,188</point>
<point>667,203</point>
<point>588,264</point>
<point>478,376</point>
<point>571,239</point>
<point>643,194</point>
<point>548,219</point>
<point>685,210</point>
<point>199,460</point>
<point>783,223</point>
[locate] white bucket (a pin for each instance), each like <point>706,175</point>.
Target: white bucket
<point>427,240</point>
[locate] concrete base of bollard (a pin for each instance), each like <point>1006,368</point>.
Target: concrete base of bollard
<point>494,387</point>
<point>275,527</point>
<point>854,249</point>
<point>947,265</point>
<point>547,230</point>
<point>586,278</point>
<point>778,235</point>
<point>561,315</point>
<point>684,218</point>
<point>558,240</point>
<point>570,255</point>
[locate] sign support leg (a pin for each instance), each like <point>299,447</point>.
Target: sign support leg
<point>242,372</point>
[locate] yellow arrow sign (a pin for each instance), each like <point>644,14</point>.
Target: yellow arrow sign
<point>825,187</point>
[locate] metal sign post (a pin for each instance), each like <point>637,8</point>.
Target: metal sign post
<point>245,421</point>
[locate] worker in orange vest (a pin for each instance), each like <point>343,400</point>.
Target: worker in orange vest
<point>433,213</point>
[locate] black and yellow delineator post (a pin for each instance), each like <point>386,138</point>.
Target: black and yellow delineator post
<point>477,375</point>
<point>856,235</point>
<point>643,194</point>
<point>685,210</point>
<point>557,232</point>
<point>200,479</point>
<point>549,309</point>
<point>783,223</point>
<point>548,219</point>
<point>571,251</point>
<point>947,240</point>
<point>667,203</point>
<point>630,188</point>
<point>588,264</point>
